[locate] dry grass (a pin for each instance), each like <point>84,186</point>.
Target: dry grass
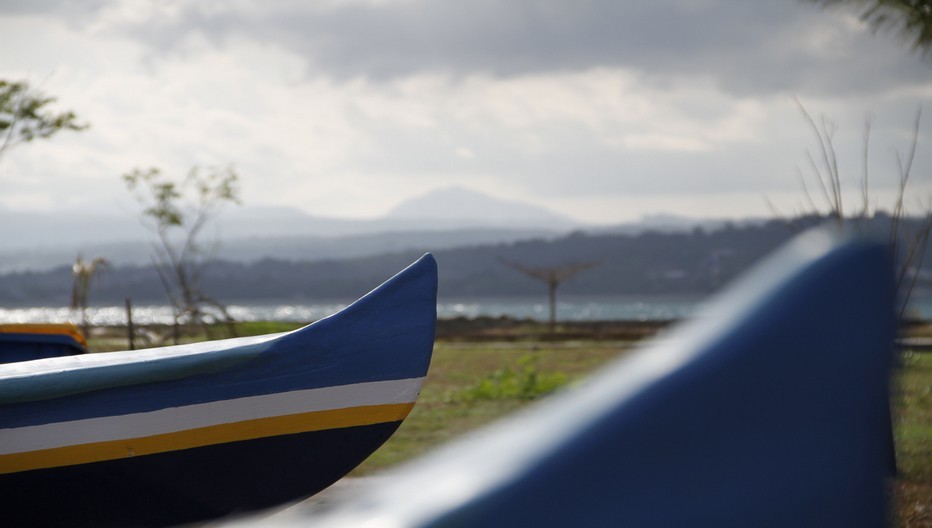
<point>459,363</point>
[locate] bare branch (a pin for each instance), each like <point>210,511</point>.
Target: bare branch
<point>904,172</point>
<point>865,191</point>
<point>908,249</point>
<point>177,214</point>
<point>915,254</point>
<point>794,225</point>
<point>822,184</point>
<point>806,194</point>
<point>831,160</point>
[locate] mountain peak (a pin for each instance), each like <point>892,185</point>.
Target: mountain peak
<point>460,204</point>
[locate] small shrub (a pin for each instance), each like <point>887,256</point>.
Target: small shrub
<point>523,382</point>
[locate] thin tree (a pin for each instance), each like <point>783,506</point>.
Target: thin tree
<point>24,116</point>
<point>177,213</point>
<point>911,19</point>
<point>908,234</point>
<point>83,273</point>
<point>552,276</point>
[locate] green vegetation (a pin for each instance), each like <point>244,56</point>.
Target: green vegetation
<point>913,407</point>
<point>524,381</point>
<point>24,115</point>
<point>177,212</point>
<point>910,19</point>
<point>472,384</point>
<point>913,404</point>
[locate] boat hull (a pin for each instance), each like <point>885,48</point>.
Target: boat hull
<point>184,434</point>
<point>27,342</point>
<point>770,408</point>
<point>193,484</point>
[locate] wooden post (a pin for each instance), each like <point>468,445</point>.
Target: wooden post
<point>553,277</point>
<point>130,331</point>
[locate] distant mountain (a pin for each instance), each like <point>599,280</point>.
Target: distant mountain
<point>654,263</point>
<point>257,246</point>
<point>685,263</point>
<point>451,208</point>
<point>458,205</point>
<point>441,219</point>
<point>30,230</point>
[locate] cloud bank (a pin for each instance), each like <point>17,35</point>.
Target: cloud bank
<point>600,109</point>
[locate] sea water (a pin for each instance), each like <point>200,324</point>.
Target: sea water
<point>569,308</point>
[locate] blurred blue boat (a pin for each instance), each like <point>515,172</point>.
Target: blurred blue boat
<point>181,434</point>
<point>25,342</point>
<point>768,409</point>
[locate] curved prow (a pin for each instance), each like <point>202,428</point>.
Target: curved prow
<point>182,434</point>
<point>382,335</point>
<point>769,409</point>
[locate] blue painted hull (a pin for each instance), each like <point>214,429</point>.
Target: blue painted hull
<point>27,342</point>
<point>770,408</point>
<point>181,434</point>
<point>189,485</point>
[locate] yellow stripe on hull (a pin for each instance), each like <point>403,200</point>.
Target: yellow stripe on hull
<point>67,329</point>
<point>204,436</point>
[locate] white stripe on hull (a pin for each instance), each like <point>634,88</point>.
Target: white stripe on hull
<point>109,428</point>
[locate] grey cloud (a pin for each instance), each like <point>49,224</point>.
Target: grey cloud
<point>570,160</point>
<point>67,9</point>
<point>747,47</point>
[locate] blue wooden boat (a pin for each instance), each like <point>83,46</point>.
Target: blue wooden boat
<point>181,434</point>
<point>769,409</point>
<point>25,342</point>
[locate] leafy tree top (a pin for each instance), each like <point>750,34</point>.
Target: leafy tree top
<point>177,213</point>
<point>912,19</point>
<point>24,115</point>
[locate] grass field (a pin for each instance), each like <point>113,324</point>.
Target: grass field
<point>452,401</point>
<point>448,407</point>
<point>913,408</point>
<point>473,383</point>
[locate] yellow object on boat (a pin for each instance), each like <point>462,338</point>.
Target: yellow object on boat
<point>69,329</point>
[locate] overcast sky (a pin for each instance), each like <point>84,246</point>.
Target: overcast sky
<point>604,110</point>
